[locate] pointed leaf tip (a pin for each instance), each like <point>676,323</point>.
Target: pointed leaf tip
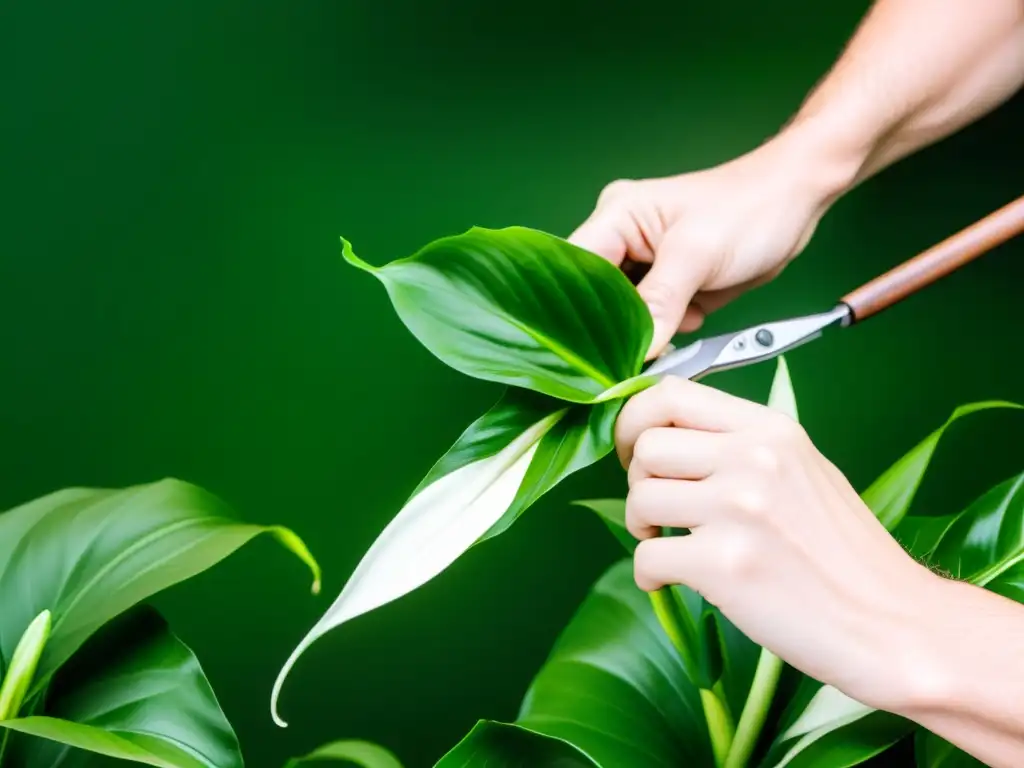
<point>350,256</point>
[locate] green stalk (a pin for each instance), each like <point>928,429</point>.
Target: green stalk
<point>720,727</point>
<point>755,710</point>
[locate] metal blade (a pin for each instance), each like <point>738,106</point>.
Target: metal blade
<point>752,345</point>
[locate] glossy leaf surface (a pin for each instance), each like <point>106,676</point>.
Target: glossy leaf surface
<point>90,554</point>
<point>890,496</point>
<point>134,692</point>
<point>615,687</point>
<point>520,307</point>
<point>354,752</point>
<point>498,467</point>
<point>503,745</point>
<point>824,728</point>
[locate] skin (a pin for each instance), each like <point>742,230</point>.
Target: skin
<point>781,542</point>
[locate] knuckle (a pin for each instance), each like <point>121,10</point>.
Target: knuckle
<point>749,501</point>
<point>637,509</point>
<point>646,448</point>
<point>616,190</point>
<point>644,566</point>
<point>763,458</point>
<point>660,295</point>
<point>739,557</point>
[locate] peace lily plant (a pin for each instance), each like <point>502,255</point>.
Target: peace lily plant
<point>636,680</point>
<point>87,669</point>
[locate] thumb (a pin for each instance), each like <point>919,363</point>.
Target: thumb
<point>667,290</point>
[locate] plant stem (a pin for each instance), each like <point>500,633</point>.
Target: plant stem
<point>755,710</point>
<point>3,744</point>
<point>720,726</point>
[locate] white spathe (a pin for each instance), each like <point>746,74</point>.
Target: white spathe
<point>431,532</point>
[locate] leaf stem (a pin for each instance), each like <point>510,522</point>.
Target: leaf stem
<point>719,724</point>
<point>682,635</point>
<point>755,710</point>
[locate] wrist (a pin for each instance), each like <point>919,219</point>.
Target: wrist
<point>828,159</point>
<point>941,661</point>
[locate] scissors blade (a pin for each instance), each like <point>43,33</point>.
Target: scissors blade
<point>751,345</point>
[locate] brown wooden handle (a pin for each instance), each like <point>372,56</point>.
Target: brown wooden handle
<point>938,261</point>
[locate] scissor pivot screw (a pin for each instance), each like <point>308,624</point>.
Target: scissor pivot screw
<point>764,337</point>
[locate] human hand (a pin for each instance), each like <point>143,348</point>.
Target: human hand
<point>713,234</point>
<point>780,542</point>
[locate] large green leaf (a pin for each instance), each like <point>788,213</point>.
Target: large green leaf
<point>615,687</point>
<point>503,745</point>
<point>890,496</point>
<point>364,754</point>
<point>134,692</point>
<point>931,751</point>
<point>497,468</point>
<point>87,555</point>
<point>523,308</point>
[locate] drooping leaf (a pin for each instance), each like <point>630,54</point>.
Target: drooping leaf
<point>520,307</point>
<point>134,691</point>
<point>890,496</point>
<point>504,462</point>
<point>503,745</point>
<point>87,555</point>
<point>364,754</point>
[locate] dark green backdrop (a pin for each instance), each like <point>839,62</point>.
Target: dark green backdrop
<point>175,180</point>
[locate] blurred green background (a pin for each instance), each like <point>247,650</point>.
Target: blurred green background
<point>175,180</point>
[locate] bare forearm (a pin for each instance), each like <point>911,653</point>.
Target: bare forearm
<point>913,73</point>
<point>964,672</point>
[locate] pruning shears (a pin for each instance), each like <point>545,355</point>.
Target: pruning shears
<point>767,340</point>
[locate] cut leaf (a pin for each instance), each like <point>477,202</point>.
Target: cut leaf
<point>134,692</point>
<point>501,745</point>
<point>522,308</point>
<point>353,751</point>
<point>781,397</point>
<point>90,554</point>
<point>890,496</point>
<point>501,464</point>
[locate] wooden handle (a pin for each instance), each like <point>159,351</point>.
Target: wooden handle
<point>938,261</point>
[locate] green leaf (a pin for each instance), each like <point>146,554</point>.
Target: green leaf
<point>504,462</point>
<point>890,496</point>
<point>781,397</point>
<point>135,692</point>
<point>503,745</point>
<point>615,687</point>
<point>613,513</point>
<point>824,728</point>
<point>362,753</point>
<point>22,670</point>
<point>985,543</point>
<point>90,554</point>
<point>930,751</point>
<point>522,308</point>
